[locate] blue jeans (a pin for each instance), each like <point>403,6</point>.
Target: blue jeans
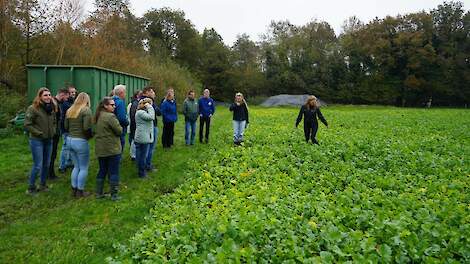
<point>65,159</point>
<point>41,150</point>
<point>238,129</point>
<point>80,152</point>
<point>189,125</point>
<point>148,163</point>
<point>109,166</point>
<point>141,152</point>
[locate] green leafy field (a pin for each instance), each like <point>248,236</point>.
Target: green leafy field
<point>386,185</point>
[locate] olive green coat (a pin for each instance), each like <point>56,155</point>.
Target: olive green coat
<point>39,123</point>
<point>107,136</point>
<point>78,127</point>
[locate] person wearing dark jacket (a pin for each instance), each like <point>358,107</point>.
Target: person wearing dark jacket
<point>131,109</point>
<point>59,100</point>
<point>240,118</point>
<point>65,160</point>
<point>206,111</point>
<point>120,110</point>
<point>190,112</point>
<point>40,122</point>
<point>107,147</point>
<point>170,116</point>
<point>310,111</point>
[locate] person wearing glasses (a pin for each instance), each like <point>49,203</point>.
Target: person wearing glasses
<point>41,124</point>
<point>240,118</point>
<point>107,147</point>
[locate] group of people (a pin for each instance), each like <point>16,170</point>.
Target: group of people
<point>69,116</point>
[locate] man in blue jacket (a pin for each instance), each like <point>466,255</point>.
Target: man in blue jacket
<point>206,111</point>
<point>120,110</point>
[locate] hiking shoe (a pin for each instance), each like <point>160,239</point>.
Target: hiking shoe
<point>31,190</point>
<point>82,193</point>
<point>43,188</point>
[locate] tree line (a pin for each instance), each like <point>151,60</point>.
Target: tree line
<point>402,60</point>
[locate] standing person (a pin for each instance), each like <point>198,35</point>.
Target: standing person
<point>40,122</point>
<point>170,116</point>
<point>61,97</point>
<point>191,113</point>
<point>65,160</point>
<point>144,135</point>
<point>107,147</point>
<point>310,110</point>
<point>119,98</point>
<point>131,117</point>
<point>206,111</point>
<point>240,118</point>
<point>149,92</point>
<point>78,124</point>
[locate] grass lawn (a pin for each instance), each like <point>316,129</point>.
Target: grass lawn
<point>361,141</point>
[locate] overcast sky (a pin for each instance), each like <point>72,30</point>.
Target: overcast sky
<point>230,18</point>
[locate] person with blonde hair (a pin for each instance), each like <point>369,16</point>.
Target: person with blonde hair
<point>310,111</point>
<point>78,121</point>
<point>240,118</point>
<point>41,124</point>
<point>144,133</point>
<point>107,147</point>
<point>170,116</point>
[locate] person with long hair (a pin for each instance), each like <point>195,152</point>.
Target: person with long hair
<point>41,124</point>
<point>240,118</point>
<point>144,133</point>
<point>78,121</point>
<point>107,147</point>
<point>310,111</point>
<point>170,116</point>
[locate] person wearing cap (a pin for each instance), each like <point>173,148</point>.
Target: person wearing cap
<point>240,118</point>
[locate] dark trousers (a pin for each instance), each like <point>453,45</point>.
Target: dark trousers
<point>141,152</point>
<point>55,143</point>
<point>207,121</point>
<point>310,131</point>
<point>168,134</point>
<point>109,166</point>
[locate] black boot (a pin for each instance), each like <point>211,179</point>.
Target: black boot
<point>114,191</point>
<point>99,188</point>
<point>74,192</point>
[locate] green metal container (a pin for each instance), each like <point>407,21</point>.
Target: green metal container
<point>97,82</point>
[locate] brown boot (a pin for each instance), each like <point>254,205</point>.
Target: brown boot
<point>82,193</point>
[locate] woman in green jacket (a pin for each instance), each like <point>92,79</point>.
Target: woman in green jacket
<point>78,124</point>
<point>40,122</point>
<point>107,147</point>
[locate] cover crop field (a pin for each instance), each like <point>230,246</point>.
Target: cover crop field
<point>385,185</point>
